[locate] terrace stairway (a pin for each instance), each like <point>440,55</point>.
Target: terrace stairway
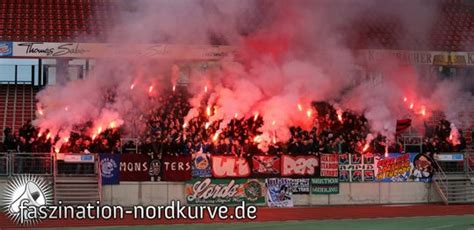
<point>455,187</point>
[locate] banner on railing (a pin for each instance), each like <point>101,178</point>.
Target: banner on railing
<point>300,185</point>
<point>356,168</point>
<point>230,166</point>
<point>279,192</point>
<point>225,191</point>
<point>201,165</point>
<point>396,167</point>
<point>299,166</point>
<point>449,157</point>
<point>139,167</point>
<point>329,165</point>
<point>109,166</point>
<point>266,166</point>
<point>176,168</point>
<point>325,185</point>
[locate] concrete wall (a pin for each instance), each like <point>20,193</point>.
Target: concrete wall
<point>157,193</point>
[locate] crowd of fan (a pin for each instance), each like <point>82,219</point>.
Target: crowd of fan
<point>167,132</point>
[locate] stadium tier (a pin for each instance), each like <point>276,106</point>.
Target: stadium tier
<point>54,20</point>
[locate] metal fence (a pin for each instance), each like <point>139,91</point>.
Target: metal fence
<point>458,165</point>
<point>4,166</point>
<point>31,163</point>
<point>44,164</point>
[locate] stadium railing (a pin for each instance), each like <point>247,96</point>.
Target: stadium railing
<point>44,164</point>
<point>31,163</point>
<point>4,164</point>
<point>440,180</point>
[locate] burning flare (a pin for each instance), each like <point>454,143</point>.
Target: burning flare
<point>300,108</point>
<point>150,89</point>
<point>216,135</point>
<point>339,115</point>
<point>205,89</point>
<point>255,117</point>
<point>309,112</point>
<point>366,146</point>
<point>208,110</point>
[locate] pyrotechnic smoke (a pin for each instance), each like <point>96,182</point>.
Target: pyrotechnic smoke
<point>289,53</point>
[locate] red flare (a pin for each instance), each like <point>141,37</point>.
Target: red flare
<point>255,117</point>
<point>66,108</point>
<point>93,137</point>
<point>309,112</point>
<point>150,89</point>
<point>132,86</point>
<point>208,111</point>
<point>450,137</point>
<point>423,111</point>
<point>411,105</point>
<point>185,125</point>
<point>112,125</point>
<point>174,88</point>
<point>205,89</point>
<point>207,125</point>
<point>216,135</point>
<point>257,139</point>
<point>99,130</point>
<point>405,99</point>
<point>40,134</point>
<point>236,115</point>
<point>273,122</point>
<point>366,146</point>
<point>48,136</point>
<point>40,111</point>
<point>56,150</point>
<point>339,115</point>
<point>274,140</point>
<point>300,108</point>
<point>66,139</point>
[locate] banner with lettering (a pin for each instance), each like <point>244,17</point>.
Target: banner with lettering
<point>279,192</point>
<point>176,168</point>
<point>356,167</point>
<point>109,166</point>
<point>266,166</point>
<point>329,165</point>
<point>395,167</point>
<point>225,191</point>
<point>300,185</point>
<point>101,50</point>
<point>229,166</point>
<point>201,165</point>
<point>299,166</point>
<point>325,185</point>
<point>136,167</point>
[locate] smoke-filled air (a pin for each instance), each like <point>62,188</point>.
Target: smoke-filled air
<point>289,58</point>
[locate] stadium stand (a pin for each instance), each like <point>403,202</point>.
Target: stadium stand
<point>453,31</point>
<point>18,105</point>
<point>53,20</point>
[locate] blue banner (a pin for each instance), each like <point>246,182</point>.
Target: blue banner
<point>396,167</point>
<point>109,166</point>
<point>279,192</point>
<point>6,49</point>
<point>201,165</point>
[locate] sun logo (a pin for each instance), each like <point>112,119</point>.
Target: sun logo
<point>23,194</point>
